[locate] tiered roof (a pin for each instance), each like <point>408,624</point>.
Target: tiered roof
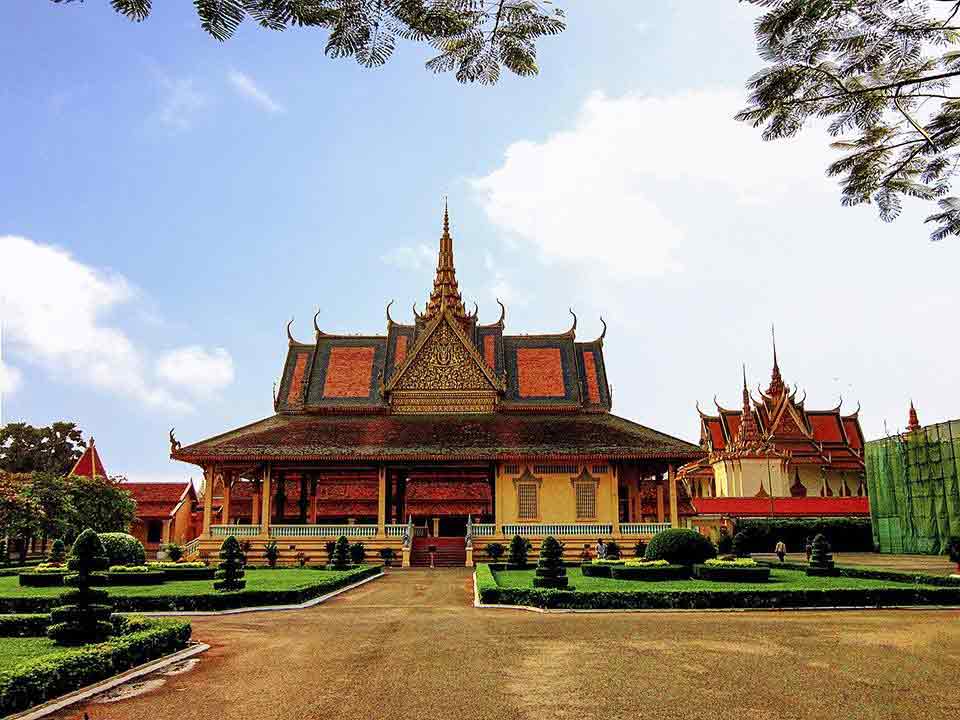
<point>89,464</point>
<point>390,396</point>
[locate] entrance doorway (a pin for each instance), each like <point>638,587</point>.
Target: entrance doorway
<point>452,526</point>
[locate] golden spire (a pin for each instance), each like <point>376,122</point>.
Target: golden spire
<point>777,386</point>
<point>748,424</point>
<point>445,292</point>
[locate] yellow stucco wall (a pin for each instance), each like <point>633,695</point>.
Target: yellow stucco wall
<point>556,499</point>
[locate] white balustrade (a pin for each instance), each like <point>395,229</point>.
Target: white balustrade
<point>322,531</point>
<point>561,529</point>
<point>484,529</point>
<point>419,532</point>
<point>394,530</point>
<point>235,530</point>
<point>643,528</point>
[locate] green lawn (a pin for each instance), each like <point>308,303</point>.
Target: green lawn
<point>779,580</point>
<point>257,579</point>
<point>16,650</point>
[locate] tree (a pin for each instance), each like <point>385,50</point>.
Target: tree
<point>230,573</point>
<point>519,548</point>
<point>58,553</point>
<point>101,503</point>
<point>881,73</point>
<point>20,515</point>
<point>551,572</point>
<point>51,491</point>
<point>54,449</point>
<point>341,554</point>
<point>473,37</point>
<point>85,613</point>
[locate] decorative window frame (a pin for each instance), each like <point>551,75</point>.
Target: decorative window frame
<point>528,479</point>
<point>585,478</point>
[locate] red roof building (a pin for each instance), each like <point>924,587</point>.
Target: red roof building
<point>89,464</point>
<point>165,512</point>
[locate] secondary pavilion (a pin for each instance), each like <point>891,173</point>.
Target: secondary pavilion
<point>436,428</point>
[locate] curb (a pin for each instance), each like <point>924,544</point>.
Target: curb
<point>262,608</point>
<point>51,706</point>
<point>549,611</point>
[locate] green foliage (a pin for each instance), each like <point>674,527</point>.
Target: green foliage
<point>680,546</point>
<point>740,545</point>
<point>36,681</point>
<point>731,572</point>
<point>20,515</point>
<point>230,573</point>
<point>495,551</point>
<point>844,534</point>
<point>821,559</point>
<point>54,449</point>
<point>613,551</point>
<point>387,555</point>
<point>879,72</point>
<point>473,37</point>
<point>123,549</point>
<point>58,553</point>
<point>519,550</point>
<point>953,549</point>
<point>640,549</point>
<point>84,615</point>
<point>52,492</point>
<point>330,547</point>
<point>551,572</point>
<point>102,503</point>
<point>33,625</point>
<point>357,553</point>
<point>271,552</point>
<point>174,552</point>
<point>341,554</point>
<point>724,542</point>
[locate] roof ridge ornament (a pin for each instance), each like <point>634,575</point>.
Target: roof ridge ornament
<point>390,319</point>
<point>289,334</point>
<point>445,293</point>
<point>604,333</point>
<point>913,422</point>
<point>777,386</point>
<point>315,326</point>
<point>572,332</point>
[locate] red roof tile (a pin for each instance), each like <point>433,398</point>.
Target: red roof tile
<point>782,507</point>
<point>157,499</point>
<point>89,464</point>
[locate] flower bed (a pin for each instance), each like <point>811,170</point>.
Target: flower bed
<point>730,571</point>
<point>60,671</point>
<point>654,571</point>
<point>119,575</point>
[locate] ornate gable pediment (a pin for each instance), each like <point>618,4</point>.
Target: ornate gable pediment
<point>443,374</point>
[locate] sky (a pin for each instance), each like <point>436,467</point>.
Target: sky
<point>168,203</point>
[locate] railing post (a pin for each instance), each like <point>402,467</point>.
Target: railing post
<point>207,499</point>
<point>381,501</point>
<point>672,479</point>
<point>265,493</point>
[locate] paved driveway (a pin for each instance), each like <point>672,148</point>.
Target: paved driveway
<point>411,646</point>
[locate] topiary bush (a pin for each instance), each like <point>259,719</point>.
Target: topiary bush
<point>741,545</point>
<point>357,553</point>
<point>519,549</point>
<point>123,549</point>
<point>271,552</point>
<point>330,546</point>
<point>174,551</point>
<point>387,555</point>
<point>725,542</point>
<point>495,551</point>
<point>680,546</point>
<point>84,616</point>
<point>821,559</point>
<point>341,554</point>
<point>58,553</point>
<point>613,551</point>
<point>230,575</point>
<point>551,572</point>
<point>640,549</point>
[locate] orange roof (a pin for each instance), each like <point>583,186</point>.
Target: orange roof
<point>159,499</point>
<point>782,507</point>
<point>89,465</point>
<point>826,426</point>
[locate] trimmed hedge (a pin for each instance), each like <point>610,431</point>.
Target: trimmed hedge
<point>122,549</point>
<point>879,574</point>
<point>661,572</point>
<point>600,570</point>
<point>680,546</point>
<point>211,601</point>
<point>729,573</point>
<point>844,534</point>
<point>47,579</point>
<point>24,625</point>
<point>189,573</point>
<point>136,578</point>
<point>33,682</point>
<point>712,599</point>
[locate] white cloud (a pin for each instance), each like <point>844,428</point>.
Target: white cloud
<point>55,315</point>
<point>246,87</point>
<point>181,102</point>
<point>416,257</point>
<point>10,378</point>
<point>196,370</point>
<point>595,193</point>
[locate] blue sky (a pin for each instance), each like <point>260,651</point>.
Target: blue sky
<point>167,203</point>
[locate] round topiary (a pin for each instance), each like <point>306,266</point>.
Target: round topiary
<point>519,548</point>
<point>341,554</point>
<point>741,545</point>
<point>821,558</point>
<point>551,572</point>
<point>84,615</point>
<point>58,553</point>
<point>230,574</point>
<point>679,546</point>
<point>123,549</point>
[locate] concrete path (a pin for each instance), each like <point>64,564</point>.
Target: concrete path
<point>411,646</point>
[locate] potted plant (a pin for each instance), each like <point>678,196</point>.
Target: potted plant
<point>496,550</point>
<point>271,552</point>
<point>387,555</point>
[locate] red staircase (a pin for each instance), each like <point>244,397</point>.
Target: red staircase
<point>451,552</point>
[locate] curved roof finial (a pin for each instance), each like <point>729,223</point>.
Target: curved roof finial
<point>389,319</point>
<point>604,333</point>
<point>503,312</point>
<point>289,334</point>
<point>415,313</point>
<point>573,328</point>
<point>315,326</point>
<point>476,309</point>
<point>839,404</point>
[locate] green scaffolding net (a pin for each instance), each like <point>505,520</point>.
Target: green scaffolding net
<point>914,490</point>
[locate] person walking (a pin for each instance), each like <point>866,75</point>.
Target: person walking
<point>808,548</point>
<point>780,549</point>
<point>601,549</point>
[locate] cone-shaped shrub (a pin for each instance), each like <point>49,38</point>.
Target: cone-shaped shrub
<point>58,553</point>
<point>341,554</point>
<point>519,548</point>
<point>821,559</point>
<point>230,573</point>
<point>551,572</point>
<point>84,616</point>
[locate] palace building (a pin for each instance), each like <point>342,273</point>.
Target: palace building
<point>444,432</point>
<point>775,458</point>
